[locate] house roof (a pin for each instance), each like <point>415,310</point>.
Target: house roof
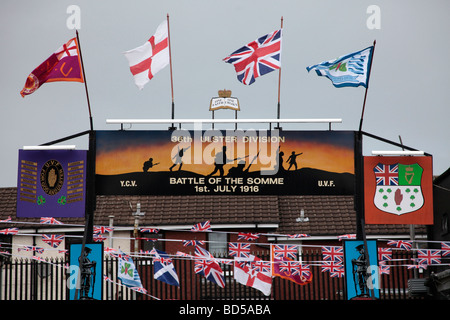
<point>328,215</point>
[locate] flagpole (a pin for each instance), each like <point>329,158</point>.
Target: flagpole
<point>279,81</point>
<point>171,76</point>
<point>367,87</point>
<point>85,83</point>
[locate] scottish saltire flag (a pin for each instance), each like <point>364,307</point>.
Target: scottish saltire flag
<point>351,70</point>
<point>128,273</point>
<point>163,269</point>
<point>257,58</point>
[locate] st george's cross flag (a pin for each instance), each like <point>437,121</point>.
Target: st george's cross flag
<point>257,58</point>
<point>253,272</point>
<point>150,58</point>
<point>351,70</point>
<point>164,270</point>
<point>63,65</point>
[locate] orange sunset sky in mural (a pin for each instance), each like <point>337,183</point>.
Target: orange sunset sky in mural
<point>317,155</point>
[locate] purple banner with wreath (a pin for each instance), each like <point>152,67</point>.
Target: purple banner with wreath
<point>51,183</point>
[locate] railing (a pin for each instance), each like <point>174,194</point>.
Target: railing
<point>27,279</point>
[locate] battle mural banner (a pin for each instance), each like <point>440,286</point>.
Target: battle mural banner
<point>51,183</point>
<point>398,190</point>
<point>224,162</point>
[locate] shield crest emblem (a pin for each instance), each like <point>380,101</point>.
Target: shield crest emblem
<point>398,188</point>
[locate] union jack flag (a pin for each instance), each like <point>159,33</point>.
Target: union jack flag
<point>248,236</point>
<point>347,236</point>
<point>32,248</point>
<point>386,174</point>
<point>428,256</point>
<point>149,230</point>
<point>52,240</point>
<point>384,254</point>
<point>6,220</point>
<point>405,245</point>
<point>206,265</point>
<point>445,249</point>
<point>187,243</point>
<point>337,272</point>
<point>257,58</point>
<point>47,220</point>
<point>385,269</point>
<point>139,289</point>
<point>416,266</point>
<point>298,235</point>
<point>202,226</point>
<point>261,265</point>
<point>331,266</point>
<point>285,251</point>
<point>10,231</point>
<point>103,229</point>
<point>39,259</point>
<point>333,253</point>
<point>98,238</point>
<point>239,250</point>
<point>294,268</point>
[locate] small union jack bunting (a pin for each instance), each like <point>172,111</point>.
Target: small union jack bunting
<point>202,226</point>
<point>47,220</point>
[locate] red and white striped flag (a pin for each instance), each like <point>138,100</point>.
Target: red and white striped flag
<point>145,61</point>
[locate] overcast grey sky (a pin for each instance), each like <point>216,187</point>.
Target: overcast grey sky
<point>408,94</point>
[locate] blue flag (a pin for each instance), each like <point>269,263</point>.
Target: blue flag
<point>351,70</point>
<point>128,273</point>
<point>164,269</point>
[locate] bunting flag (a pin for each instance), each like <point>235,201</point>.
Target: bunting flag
<point>239,250</point>
<point>401,244</point>
<point>103,229</point>
<point>351,70</point>
<point>32,248</point>
<point>282,251</point>
<point>202,227</point>
<point>253,272</point>
<point>384,254</point>
<point>9,231</point>
<point>288,269</point>
<point>445,249</point>
<point>257,58</point>
<point>164,270</point>
<point>52,240</point>
<point>63,65</point>
<point>49,220</point>
<point>347,236</point>
<point>248,236</point>
<point>429,256</point>
<point>333,253</point>
<point>127,272</point>
<point>149,230</point>
<point>187,243</point>
<point>207,266</point>
<point>153,56</point>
